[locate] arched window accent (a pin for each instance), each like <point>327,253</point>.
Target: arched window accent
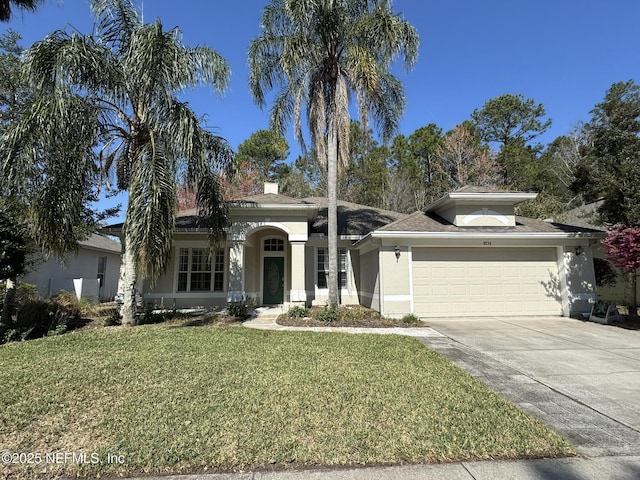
<point>273,245</point>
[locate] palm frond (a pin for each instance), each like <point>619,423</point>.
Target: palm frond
<point>283,109</point>
<point>213,212</point>
<point>6,10</point>
<point>386,104</point>
<point>265,70</point>
<point>151,210</point>
<point>386,35</point>
<point>65,60</point>
<point>116,20</point>
<point>61,167</point>
<point>159,65</point>
<point>210,68</point>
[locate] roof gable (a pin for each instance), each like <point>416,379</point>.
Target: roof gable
<point>479,207</point>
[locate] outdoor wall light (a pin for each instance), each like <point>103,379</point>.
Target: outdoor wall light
<point>579,250</point>
<point>397,250</point>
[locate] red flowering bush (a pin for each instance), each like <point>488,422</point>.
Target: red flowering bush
<point>623,249</point>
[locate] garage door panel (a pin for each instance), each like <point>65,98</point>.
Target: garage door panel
<point>484,282</point>
<point>511,289</point>
<point>477,291</point>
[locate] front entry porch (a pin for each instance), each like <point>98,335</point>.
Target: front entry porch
<point>267,266</point>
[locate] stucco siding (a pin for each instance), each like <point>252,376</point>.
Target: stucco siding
<point>395,292</point>
<point>369,286</point>
<point>580,280</point>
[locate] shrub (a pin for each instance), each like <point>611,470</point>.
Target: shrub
<point>59,330</point>
<point>35,318</point>
<point>112,320</point>
<point>351,313</point>
<point>327,314</point>
<point>148,317</point>
<point>39,317</point>
<point>298,311</point>
<point>24,293</point>
<point>237,310</point>
<point>410,318</point>
<point>176,315</point>
<point>11,335</point>
<point>69,310</point>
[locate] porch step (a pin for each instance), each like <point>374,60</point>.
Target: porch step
<point>263,316</point>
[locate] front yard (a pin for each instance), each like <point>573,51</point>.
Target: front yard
<point>171,398</point>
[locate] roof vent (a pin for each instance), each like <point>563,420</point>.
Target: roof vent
<point>271,187</point>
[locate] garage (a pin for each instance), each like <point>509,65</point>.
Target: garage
<point>484,282</point>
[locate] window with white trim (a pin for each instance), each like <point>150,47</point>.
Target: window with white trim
<point>273,245</point>
<point>102,270</point>
<point>322,263</point>
<point>196,272</point>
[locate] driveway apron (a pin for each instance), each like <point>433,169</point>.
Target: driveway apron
<point>580,378</point>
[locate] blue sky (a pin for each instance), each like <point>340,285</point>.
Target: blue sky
<point>564,54</point>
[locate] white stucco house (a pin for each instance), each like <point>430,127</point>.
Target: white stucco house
<point>466,254</point>
<point>91,272</point>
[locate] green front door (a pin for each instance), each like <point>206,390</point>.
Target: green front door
<point>273,281</point>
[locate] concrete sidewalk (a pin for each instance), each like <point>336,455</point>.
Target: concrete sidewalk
<point>609,468</point>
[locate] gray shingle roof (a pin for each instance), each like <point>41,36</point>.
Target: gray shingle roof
<point>583,216</point>
<point>359,220</point>
<point>101,242</point>
<point>475,189</point>
<point>353,219</point>
<point>430,222</point>
<point>270,199</point>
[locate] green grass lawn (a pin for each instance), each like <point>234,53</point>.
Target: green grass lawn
<point>169,399</point>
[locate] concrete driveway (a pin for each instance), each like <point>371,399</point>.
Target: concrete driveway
<point>581,378</point>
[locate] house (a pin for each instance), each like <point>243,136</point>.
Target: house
<point>466,254</point>
<point>620,291</point>
<point>91,272</point>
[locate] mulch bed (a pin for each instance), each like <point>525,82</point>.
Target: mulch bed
<point>364,323</point>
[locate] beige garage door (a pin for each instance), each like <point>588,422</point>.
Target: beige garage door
<point>485,282</point>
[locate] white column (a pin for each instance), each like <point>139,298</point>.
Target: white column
<point>236,292</point>
<point>563,285</point>
<point>298,292</point>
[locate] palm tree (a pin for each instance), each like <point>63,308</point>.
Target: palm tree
<point>108,102</point>
<point>319,53</point>
<point>5,7</point>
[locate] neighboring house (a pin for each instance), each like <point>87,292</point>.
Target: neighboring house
<point>91,272</point>
<point>467,254</point>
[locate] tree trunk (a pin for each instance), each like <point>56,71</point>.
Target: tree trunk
<point>127,286</point>
<point>7,305</point>
<point>633,308</point>
<point>332,211</point>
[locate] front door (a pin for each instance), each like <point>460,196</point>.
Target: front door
<point>273,281</point>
